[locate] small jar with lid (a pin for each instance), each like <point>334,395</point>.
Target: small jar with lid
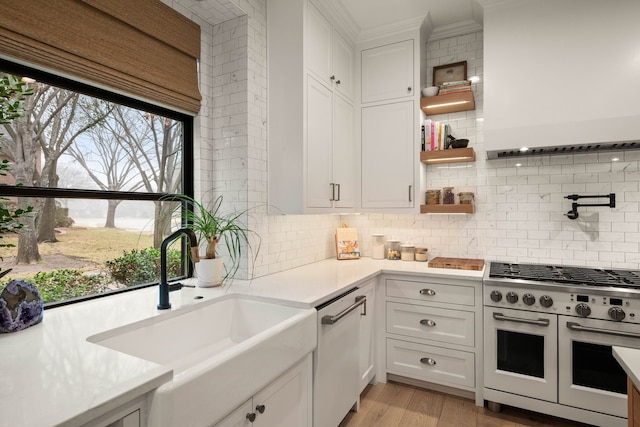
<point>377,246</point>
<point>433,197</point>
<point>407,252</point>
<point>448,198</point>
<point>392,249</point>
<point>422,254</point>
<point>466,198</point>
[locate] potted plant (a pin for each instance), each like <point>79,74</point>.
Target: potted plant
<point>212,227</point>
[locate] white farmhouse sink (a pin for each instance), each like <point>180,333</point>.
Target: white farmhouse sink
<point>221,352</point>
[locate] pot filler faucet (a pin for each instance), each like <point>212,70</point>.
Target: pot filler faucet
<point>573,213</point>
<point>164,285</point>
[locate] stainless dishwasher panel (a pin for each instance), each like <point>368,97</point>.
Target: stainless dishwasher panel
<point>336,359</point>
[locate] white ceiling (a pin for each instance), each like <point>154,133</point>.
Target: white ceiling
<point>365,19</point>
<point>369,14</point>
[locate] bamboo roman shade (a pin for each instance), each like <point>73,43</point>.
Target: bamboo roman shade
<point>142,48</point>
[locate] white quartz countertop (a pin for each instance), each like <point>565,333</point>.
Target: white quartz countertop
<point>629,359</point>
<point>51,375</point>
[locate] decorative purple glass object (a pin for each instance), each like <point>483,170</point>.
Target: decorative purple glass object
<point>21,306</point>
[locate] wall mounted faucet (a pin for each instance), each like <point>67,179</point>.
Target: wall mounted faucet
<point>164,303</point>
<point>573,213</point>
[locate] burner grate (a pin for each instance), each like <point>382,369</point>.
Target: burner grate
<point>567,275</point>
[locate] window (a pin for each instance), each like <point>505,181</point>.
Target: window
<point>90,168</point>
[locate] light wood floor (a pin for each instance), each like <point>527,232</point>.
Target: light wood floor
<point>399,405</point>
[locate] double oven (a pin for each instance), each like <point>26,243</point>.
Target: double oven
<point>548,334</point>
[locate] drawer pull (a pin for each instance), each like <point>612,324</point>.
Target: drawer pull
<point>429,292</point>
<point>428,361</point>
<point>427,322</point>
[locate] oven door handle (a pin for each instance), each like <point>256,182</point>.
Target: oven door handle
<point>330,320</point>
<point>578,327</point>
<point>538,322</point>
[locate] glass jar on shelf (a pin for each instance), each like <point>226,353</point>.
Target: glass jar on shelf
<point>377,246</point>
<point>392,249</point>
<point>466,197</point>
<point>448,198</point>
<point>433,197</point>
<point>407,252</point>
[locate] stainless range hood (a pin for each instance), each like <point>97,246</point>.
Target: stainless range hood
<point>564,149</point>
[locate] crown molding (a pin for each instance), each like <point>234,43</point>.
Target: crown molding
<point>390,29</point>
<point>457,29</point>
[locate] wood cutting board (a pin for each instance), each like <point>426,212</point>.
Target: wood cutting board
<point>457,263</point>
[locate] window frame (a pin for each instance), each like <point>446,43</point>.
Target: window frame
<point>89,90</point>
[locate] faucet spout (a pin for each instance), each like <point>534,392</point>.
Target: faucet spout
<point>164,303</point>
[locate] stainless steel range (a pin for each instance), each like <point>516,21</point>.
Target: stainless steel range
<point>548,333</point>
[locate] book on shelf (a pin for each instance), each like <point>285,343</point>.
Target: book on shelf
<point>454,90</point>
<point>455,83</point>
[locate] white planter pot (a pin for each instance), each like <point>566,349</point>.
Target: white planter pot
<point>209,272</point>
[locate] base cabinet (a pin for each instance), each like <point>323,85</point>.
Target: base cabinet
<point>433,331</point>
<point>367,359</point>
<point>634,404</point>
<point>128,415</point>
<point>286,402</point>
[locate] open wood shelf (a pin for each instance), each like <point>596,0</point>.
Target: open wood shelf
<point>448,103</point>
<point>452,155</point>
<point>451,209</point>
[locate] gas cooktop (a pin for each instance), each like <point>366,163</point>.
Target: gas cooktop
<point>566,275</point>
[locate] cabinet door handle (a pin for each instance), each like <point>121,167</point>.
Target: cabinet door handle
<point>251,416</point>
<point>337,82</point>
<point>410,193</point>
<point>409,89</point>
<point>333,192</point>
<point>429,292</point>
<point>427,322</point>
<point>332,78</point>
<point>260,408</point>
<point>428,361</point>
<point>338,186</point>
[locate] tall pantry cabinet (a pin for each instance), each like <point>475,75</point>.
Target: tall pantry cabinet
<point>389,121</point>
<point>312,150</point>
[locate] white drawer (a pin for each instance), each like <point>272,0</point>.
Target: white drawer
<point>437,324</point>
<point>431,292</point>
<point>429,363</point>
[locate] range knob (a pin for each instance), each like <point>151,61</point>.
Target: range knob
<point>583,310</point>
<point>617,314</point>
<point>496,296</point>
<point>512,297</point>
<point>528,299</point>
<point>546,301</point>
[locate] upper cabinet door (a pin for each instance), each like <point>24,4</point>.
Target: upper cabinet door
<point>342,66</point>
<point>319,45</point>
<point>387,72</point>
<point>320,192</point>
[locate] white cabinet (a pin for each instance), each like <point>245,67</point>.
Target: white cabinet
<point>388,135</point>
<point>329,56</point>
<point>433,331</point>
<point>127,415</point>
<point>330,155</point>
<point>286,402</point>
<point>312,147</point>
<point>367,355</point>
<point>387,72</point>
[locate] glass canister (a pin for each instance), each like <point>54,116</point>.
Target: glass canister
<point>407,252</point>
<point>466,198</point>
<point>377,246</point>
<point>448,198</point>
<point>392,249</point>
<point>422,254</point>
<point>433,197</point>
